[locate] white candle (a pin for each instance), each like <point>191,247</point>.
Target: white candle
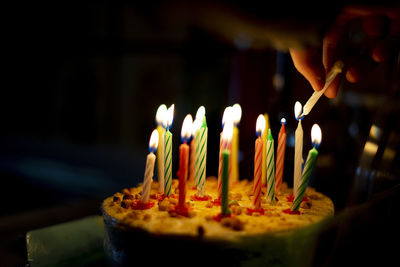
<point>161,112</point>
<point>298,149</point>
<point>161,164</point>
<point>148,174</point>
<point>336,69</point>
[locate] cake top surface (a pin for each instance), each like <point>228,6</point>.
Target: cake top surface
<point>202,218</point>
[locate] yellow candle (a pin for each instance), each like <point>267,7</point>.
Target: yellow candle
<point>264,159</point>
<point>237,115</point>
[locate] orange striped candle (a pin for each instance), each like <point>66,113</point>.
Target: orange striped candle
<point>260,126</point>
<point>280,159</point>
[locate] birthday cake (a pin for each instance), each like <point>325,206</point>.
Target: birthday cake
<point>157,234</point>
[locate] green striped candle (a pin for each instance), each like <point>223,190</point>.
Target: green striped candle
<point>168,163</point>
<point>316,137</point>
<point>168,151</point>
<point>201,151</point>
<point>270,168</point>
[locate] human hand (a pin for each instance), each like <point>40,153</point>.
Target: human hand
<point>380,27</point>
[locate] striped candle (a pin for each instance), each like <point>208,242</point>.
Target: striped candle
<point>305,177</point>
<point>192,160</point>
<point>280,158</point>
<point>148,174</point>
<point>195,127</point>
<point>161,112</point>
<point>264,159</point>
<point>168,163</point>
<point>260,126</point>
<point>270,168</point>
<point>168,153</point>
<point>201,146</point>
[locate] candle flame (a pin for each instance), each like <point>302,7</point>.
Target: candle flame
<point>297,110</point>
<point>227,134</point>
<point>161,111</point>
<point>169,117</point>
<point>153,143</point>
<point>196,125</point>
<point>201,112</point>
<point>187,128</point>
<point>227,117</point>
<point>283,121</point>
<point>237,113</point>
<point>316,135</point>
<point>260,125</point>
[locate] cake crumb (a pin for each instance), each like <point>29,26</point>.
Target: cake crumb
<point>147,217</point>
<point>173,201</point>
<point>127,196</point>
<point>126,204</point>
<point>306,205</point>
<point>163,205</point>
<point>237,210</point>
<point>233,203</point>
<point>127,191</point>
<point>134,215</point>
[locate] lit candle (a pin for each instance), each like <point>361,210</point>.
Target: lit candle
<point>264,159</point>
<point>161,112</point>
<point>193,145</point>
<point>184,159</point>
<point>335,70</point>
<point>237,115</point>
<point>226,119</point>
<point>168,151</point>
<point>195,131</point>
<point>280,158</point>
<point>298,149</point>
<point>260,126</point>
<point>226,143</point>
<point>201,157</point>
<point>148,174</point>
<point>316,137</point>
<point>270,168</point>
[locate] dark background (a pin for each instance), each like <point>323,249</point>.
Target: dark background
<point>82,84</point>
